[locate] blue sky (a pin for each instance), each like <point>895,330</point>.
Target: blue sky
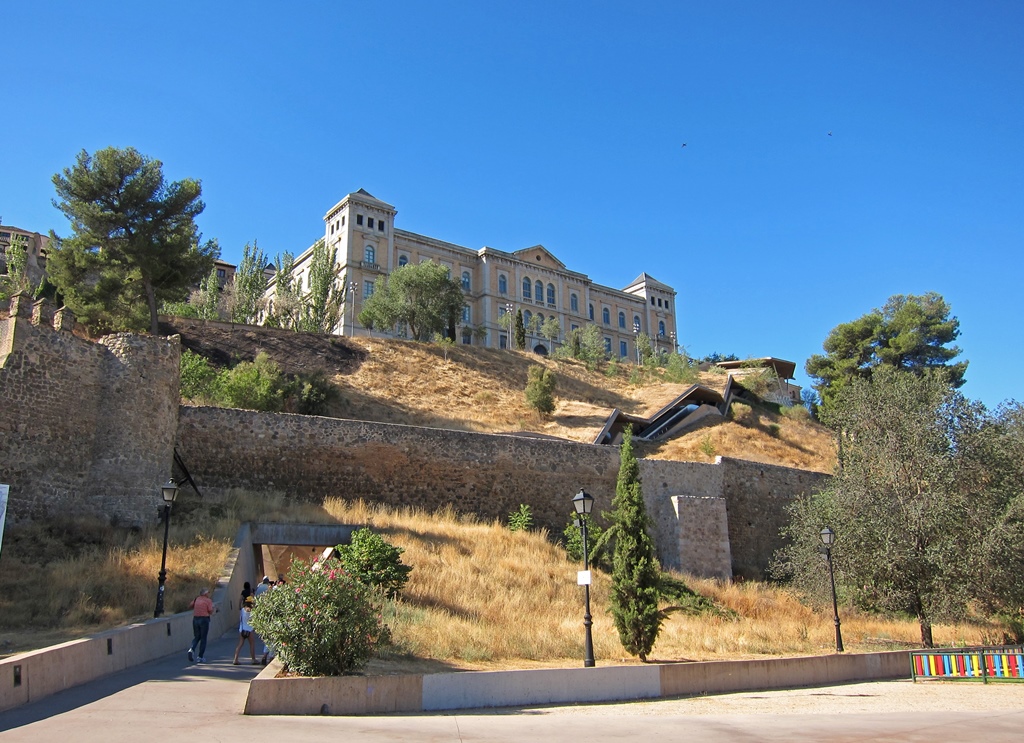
<point>511,124</point>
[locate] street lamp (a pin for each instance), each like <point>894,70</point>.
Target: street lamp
<point>636,340</point>
<point>672,335</point>
<point>827,538</point>
<point>169,491</point>
<point>510,310</point>
<point>352,286</point>
<point>583,502</point>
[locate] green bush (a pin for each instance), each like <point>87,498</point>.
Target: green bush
<point>573,537</point>
<point>370,559</point>
<point>253,385</point>
<point>324,622</point>
<point>309,394</point>
<point>796,413</point>
<point>679,370</point>
<point>198,377</point>
<point>540,389</point>
<point>521,519</point>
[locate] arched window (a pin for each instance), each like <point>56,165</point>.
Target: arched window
<point>540,292</point>
<point>606,316</point>
<point>502,285</point>
<point>540,319</point>
<point>636,323</point>
<point>574,303</point>
<point>465,281</point>
<point>622,319</point>
<point>402,260</point>
<point>551,293</point>
<point>591,315</point>
<point>369,254</point>
<point>527,287</point>
<point>527,316</point>
<point>661,327</point>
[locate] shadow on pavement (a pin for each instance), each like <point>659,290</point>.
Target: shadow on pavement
<point>170,668</point>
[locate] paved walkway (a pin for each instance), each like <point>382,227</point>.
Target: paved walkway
<point>172,698</point>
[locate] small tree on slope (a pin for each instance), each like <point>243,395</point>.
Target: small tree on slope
<point>635,569</point>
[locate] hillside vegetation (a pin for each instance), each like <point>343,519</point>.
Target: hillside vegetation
<point>481,389</point>
<point>479,595</point>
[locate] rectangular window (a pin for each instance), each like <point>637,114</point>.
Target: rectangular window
<point>359,221</point>
<point>502,341</point>
<point>465,316</point>
<point>607,345</point>
<point>380,225</point>
<point>623,350</point>
<point>367,289</point>
<point>343,220</point>
<point>575,327</point>
<point>370,225</point>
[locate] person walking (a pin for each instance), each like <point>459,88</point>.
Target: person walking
<point>202,609</point>
<point>245,631</point>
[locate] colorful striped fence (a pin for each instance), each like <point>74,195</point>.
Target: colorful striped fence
<point>969,664</point>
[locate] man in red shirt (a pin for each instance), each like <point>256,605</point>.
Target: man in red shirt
<point>202,609</point>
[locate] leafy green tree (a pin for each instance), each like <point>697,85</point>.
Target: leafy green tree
<point>422,296</point>
<point>520,331</point>
<point>284,310</point>
<point>714,358</point>
<point>585,344</point>
<point>920,471</point>
<point>636,574</point>
<point>134,241</point>
<point>249,286</point>
<point>375,562</point>
<point>321,307</point>
<point>551,329</point>
<point>16,259</point>
<point>910,332</point>
<point>540,389</point>
<point>446,344</point>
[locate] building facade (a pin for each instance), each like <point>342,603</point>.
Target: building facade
<point>494,282</point>
<point>33,243</point>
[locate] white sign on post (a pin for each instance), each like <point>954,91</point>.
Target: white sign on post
<point>4,490</point>
<point>582,577</point>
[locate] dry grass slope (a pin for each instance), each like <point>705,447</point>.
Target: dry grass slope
<point>479,596</point>
<point>479,389</point>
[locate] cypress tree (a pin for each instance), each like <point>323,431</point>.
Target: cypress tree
<point>635,568</point>
<point>520,331</point>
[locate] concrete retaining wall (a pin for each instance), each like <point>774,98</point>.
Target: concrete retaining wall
<point>368,695</point>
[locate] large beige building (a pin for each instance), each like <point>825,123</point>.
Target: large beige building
<point>362,228</point>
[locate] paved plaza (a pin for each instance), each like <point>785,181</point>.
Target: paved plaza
<point>171,697</point>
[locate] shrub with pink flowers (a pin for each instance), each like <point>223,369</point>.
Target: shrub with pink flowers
<point>322,622</point>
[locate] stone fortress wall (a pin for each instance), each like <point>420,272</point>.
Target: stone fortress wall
<point>92,428</point>
<point>85,428</point>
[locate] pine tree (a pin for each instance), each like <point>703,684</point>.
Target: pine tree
<point>635,569</point>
